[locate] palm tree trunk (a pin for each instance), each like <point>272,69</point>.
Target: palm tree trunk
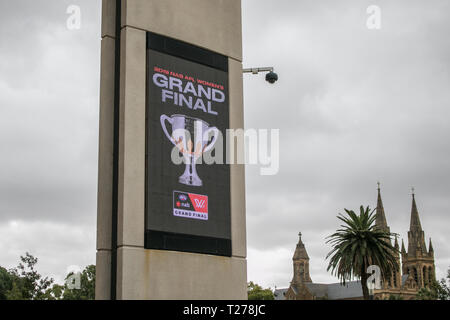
<point>365,290</point>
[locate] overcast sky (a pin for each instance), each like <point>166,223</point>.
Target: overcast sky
<point>354,106</point>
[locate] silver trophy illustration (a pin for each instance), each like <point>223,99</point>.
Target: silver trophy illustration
<point>191,137</point>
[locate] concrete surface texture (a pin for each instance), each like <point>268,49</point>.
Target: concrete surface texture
<point>156,274</point>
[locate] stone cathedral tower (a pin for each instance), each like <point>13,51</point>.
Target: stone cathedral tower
<point>298,290</point>
<point>301,263</point>
<point>395,280</point>
<point>418,262</point>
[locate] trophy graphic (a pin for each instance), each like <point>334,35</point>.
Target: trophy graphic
<point>191,137</point>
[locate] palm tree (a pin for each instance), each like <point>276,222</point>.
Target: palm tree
<point>357,245</point>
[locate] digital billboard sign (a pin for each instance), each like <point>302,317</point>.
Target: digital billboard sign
<point>187,115</point>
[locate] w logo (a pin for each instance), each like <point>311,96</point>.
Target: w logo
<point>200,203</point>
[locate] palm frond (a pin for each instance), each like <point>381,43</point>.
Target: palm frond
<point>357,244</point>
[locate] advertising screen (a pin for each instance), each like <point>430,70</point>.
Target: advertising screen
<point>187,108</point>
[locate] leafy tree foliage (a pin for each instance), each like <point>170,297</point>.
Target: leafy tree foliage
<point>256,292</point>
<point>87,288</point>
<point>25,283</point>
<point>6,283</point>
<point>436,290</point>
<point>357,245</point>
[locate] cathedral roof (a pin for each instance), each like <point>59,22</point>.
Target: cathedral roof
<point>318,289</point>
<point>333,291</point>
<point>352,289</point>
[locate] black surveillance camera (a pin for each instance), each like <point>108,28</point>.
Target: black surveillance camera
<point>271,77</point>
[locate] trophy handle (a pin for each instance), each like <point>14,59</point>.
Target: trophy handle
<point>163,125</point>
<point>213,142</point>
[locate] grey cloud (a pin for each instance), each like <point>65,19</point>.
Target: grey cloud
<point>49,124</point>
<point>353,106</point>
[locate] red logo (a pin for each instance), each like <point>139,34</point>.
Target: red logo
<point>200,202</point>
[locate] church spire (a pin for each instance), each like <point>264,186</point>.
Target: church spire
<point>403,248</point>
<point>380,217</point>
<point>416,236</point>
<point>418,262</point>
<point>300,250</point>
<point>301,263</point>
<point>430,248</point>
<point>415,220</point>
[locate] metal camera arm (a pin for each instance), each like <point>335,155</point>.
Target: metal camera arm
<point>257,70</point>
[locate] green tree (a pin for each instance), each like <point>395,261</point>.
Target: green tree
<point>436,290</point>
<point>87,286</point>
<point>27,283</point>
<point>357,245</point>
<point>256,292</point>
<point>446,287</point>
<point>57,292</point>
<point>6,283</point>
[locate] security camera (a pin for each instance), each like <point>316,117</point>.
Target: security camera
<point>271,77</point>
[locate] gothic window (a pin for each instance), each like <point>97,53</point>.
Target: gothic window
<point>395,278</point>
<point>425,278</point>
<point>416,276</point>
<point>430,274</point>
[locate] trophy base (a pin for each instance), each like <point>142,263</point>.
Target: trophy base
<point>190,181</point>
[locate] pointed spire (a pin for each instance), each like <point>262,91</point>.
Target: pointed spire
<point>396,243</point>
<point>415,220</point>
<point>300,250</point>
<point>416,240</point>
<point>403,248</point>
<point>430,247</point>
<point>380,217</point>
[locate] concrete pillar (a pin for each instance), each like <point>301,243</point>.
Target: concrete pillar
<point>106,146</point>
<point>160,274</point>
